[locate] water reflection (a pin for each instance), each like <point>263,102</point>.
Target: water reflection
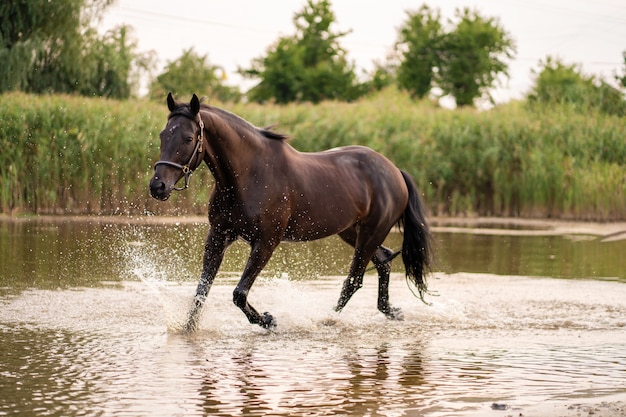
<point>87,312</point>
<point>33,381</point>
<point>108,351</point>
<point>551,256</point>
<point>55,254</point>
<point>301,380</point>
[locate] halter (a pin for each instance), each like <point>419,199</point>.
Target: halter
<point>187,170</point>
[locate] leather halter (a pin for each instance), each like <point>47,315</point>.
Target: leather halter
<point>187,169</point>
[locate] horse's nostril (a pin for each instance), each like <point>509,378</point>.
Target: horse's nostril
<point>157,188</point>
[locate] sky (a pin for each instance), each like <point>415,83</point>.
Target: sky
<point>232,33</point>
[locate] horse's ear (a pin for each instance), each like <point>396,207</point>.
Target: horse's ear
<point>194,105</point>
<point>171,104</point>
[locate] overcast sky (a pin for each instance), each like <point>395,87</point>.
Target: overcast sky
<point>233,32</point>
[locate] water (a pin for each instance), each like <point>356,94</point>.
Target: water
<point>90,312</point>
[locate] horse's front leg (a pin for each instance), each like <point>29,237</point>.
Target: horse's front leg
<point>214,248</point>
<point>260,254</point>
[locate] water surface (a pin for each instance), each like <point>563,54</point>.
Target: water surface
<point>90,312</point>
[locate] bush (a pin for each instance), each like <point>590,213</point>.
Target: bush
<point>64,154</point>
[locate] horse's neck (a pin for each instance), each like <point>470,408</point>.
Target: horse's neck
<point>232,150</point>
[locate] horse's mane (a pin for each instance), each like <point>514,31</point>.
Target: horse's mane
<point>182,109</point>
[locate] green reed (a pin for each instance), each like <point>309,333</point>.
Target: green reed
<point>62,154</point>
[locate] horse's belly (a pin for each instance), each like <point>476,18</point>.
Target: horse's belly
<point>305,228</point>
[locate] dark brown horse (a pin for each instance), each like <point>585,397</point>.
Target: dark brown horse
<point>266,192</point>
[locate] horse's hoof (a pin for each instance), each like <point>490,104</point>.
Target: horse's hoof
<point>395,313</point>
<point>190,327</point>
<point>192,324</point>
<point>268,321</point>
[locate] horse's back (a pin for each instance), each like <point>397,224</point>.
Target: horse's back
<point>364,167</point>
<point>332,190</point>
<point>355,157</point>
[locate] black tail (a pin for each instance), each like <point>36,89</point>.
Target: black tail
<point>416,248</point>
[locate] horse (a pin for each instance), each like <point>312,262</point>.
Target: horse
<point>265,192</point>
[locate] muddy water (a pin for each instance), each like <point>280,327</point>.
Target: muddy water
<point>89,313</point>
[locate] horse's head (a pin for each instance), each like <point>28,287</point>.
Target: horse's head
<point>181,147</point>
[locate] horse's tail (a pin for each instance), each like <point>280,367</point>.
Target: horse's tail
<point>416,247</point>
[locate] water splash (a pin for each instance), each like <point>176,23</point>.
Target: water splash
<point>159,270</point>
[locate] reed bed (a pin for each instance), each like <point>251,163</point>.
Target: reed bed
<point>63,154</point>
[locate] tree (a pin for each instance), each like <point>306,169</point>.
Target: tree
<point>48,46</point>
<point>464,62</point>
<point>472,56</point>
<point>559,83</point>
<point>192,74</point>
<point>109,65</point>
<point>382,76</point>
<point>308,66</point>
<point>281,73</point>
<point>418,45</point>
<point>29,31</point>
<point>621,79</point>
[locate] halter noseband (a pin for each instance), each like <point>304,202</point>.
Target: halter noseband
<point>187,170</point>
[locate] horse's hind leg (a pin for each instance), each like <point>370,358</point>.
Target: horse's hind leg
<point>382,262</point>
<point>362,254</point>
<point>354,281</point>
<point>350,286</point>
<point>366,246</point>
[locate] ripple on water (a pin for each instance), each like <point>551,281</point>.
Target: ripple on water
<point>115,350</point>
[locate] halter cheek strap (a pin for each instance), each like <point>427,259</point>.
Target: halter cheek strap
<point>187,169</point>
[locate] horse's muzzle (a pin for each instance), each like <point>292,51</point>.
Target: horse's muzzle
<point>159,190</point>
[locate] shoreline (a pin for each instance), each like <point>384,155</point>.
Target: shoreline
<point>603,406</point>
<point>502,226</point>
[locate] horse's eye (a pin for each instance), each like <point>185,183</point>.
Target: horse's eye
<point>189,138</point>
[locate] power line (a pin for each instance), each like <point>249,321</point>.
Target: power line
<point>567,11</point>
<point>168,18</point>
<point>560,39</point>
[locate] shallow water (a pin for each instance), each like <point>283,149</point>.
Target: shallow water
<point>92,329</point>
<point>62,253</point>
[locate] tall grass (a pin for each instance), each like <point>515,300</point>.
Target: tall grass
<point>509,161</point>
<point>62,154</point>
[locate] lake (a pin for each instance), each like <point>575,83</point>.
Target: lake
<point>523,322</point>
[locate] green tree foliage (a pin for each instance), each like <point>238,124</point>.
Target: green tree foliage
<point>472,56</point>
<point>382,76</point>
<point>192,74</point>
<point>418,44</point>
<point>308,66</point>
<point>31,34</point>
<point>48,47</point>
<point>621,79</point>
<point>557,82</point>
<point>109,65</point>
<point>464,62</point>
